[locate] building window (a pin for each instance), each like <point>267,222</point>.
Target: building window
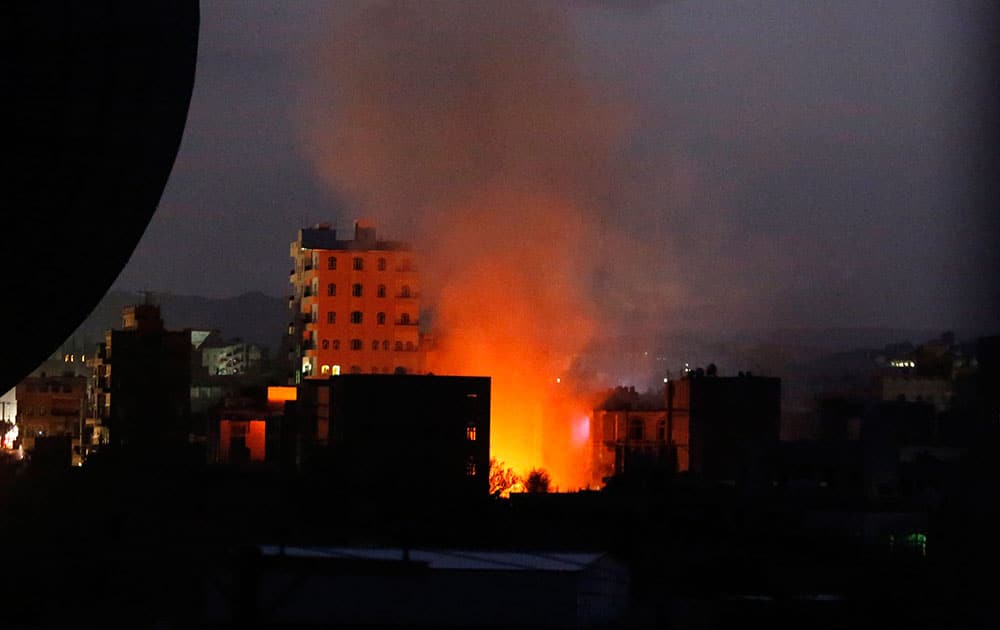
<point>374,370</point>
<point>356,317</point>
<point>399,346</point>
<point>375,345</point>
<point>331,317</point>
<point>404,319</point>
<point>331,289</point>
<point>405,291</point>
<point>410,347</point>
<point>381,264</point>
<point>359,263</point>
<point>470,432</point>
<point>356,290</point>
<point>331,262</point>
<point>336,344</point>
<point>661,430</point>
<point>355,344</point>
<point>335,371</point>
<point>355,369</point>
<point>326,344</point>
<point>381,290</point>
<point>385,344</point>
<point>635,428</point>
<point>470,467</point>
<point>325,369</point>
<point>380,319</point>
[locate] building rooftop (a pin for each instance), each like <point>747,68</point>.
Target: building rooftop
<point>450,559</point>
<point>322,236</point>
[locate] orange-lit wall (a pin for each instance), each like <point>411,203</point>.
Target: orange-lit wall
<point>611,432</point>
<point>252,431</point>
<point>399,272</point>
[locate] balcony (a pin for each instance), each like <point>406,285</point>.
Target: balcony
<point>307,267</point>
<point>307,292</point>
<point>307,318</point>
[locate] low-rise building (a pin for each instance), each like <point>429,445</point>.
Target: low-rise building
<point>50,406</point>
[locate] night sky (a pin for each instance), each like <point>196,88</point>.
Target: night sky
<point>784,164</point>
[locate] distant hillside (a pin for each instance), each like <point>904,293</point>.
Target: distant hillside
<point>253,317</point>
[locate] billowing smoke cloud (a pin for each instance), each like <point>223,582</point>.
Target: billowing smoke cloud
<point>467,128</point>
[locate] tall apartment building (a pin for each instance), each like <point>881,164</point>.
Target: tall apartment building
<point>142,382</point>
<point>355,305</point>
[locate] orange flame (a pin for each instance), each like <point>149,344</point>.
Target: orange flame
<point>510,306</point>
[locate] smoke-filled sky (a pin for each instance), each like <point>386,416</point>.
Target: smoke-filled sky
<point>698,163</point>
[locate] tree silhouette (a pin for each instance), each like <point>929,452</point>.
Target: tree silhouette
<point>537,481</point>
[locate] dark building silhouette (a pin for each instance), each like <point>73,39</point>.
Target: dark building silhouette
<point>96,95</point>
<point>143,381</point>
<point>734,423</point>
<point>398,435</point>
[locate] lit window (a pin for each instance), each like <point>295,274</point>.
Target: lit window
<point>470,467</point>
<point>359,263</point>
<point>325,369</point>
<point>331,289</point>
<point>355,344</point>
<point>380,318</point>
<point>356,317</point>
<point>381,290</point>
<point>335,371</point>
<point>331,262</point>
<point>356,290</point>
<point>375,345</point>
<point>470,432</point>
<point>331,317</point>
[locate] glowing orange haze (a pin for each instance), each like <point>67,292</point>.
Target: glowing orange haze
<point>509,305</point>
<point>465,128</point>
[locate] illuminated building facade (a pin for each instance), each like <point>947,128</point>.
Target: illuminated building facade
<point>50,406</point>
<point>355,305</point>
<point>631,435</point>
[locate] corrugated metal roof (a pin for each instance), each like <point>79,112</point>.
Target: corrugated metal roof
<point>451,559</point>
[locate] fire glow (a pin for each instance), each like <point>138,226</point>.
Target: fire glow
<point>515,312</point>
<point>467,129</point>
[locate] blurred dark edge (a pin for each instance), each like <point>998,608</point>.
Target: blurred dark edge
<point>97,97</point>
